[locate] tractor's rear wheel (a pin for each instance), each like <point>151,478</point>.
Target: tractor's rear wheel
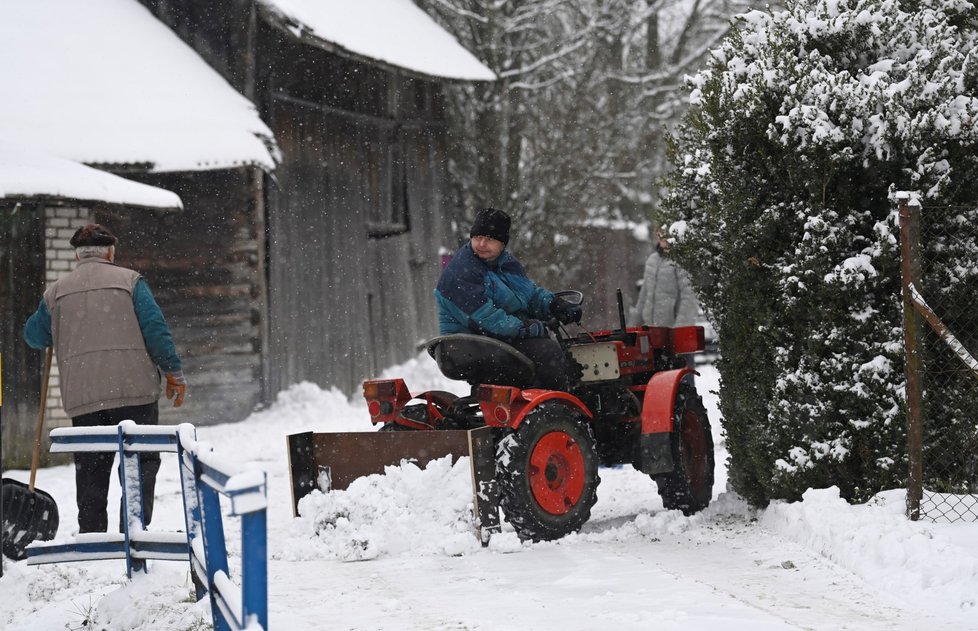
<point>548,474</point>
<point>689,486</point>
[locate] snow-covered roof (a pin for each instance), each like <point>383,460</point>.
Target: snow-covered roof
<point>395,32</point>
<point>28,174</point>
<point>105,82</point>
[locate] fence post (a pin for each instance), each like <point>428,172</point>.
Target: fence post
<point>187,435</point>
<point>910,272</point>
<point>254,567</point>
<point>131,512</point>
<point>212,531</point>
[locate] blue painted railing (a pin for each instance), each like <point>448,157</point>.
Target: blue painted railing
<point>203,478</point>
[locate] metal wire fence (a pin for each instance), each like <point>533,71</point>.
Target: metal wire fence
<point>940,269</point>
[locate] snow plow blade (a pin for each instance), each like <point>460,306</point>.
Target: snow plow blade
<point>331,461</point>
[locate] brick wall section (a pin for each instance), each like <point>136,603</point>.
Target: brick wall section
<point>60,223</point>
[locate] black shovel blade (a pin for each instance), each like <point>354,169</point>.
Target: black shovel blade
<point>27,517</point>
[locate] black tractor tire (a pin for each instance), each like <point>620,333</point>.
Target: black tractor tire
<point>689,486</point>
<point>547,472</point>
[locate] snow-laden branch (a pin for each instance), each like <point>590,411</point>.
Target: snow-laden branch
<point>543,61</point>
<point>460,12</point>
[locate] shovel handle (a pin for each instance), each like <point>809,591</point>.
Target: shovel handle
<point>36,455</point>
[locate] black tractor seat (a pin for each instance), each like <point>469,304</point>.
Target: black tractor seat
<point>479,359</point>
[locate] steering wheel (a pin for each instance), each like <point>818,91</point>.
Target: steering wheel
<point>570,295</point>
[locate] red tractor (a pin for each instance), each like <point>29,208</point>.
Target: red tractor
<point>635,404</point>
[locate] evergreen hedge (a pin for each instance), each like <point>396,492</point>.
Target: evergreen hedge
<point>801,128</point>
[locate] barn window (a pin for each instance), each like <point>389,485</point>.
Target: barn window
<point>389,216</point>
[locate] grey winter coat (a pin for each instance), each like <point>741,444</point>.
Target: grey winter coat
<point>666,297</point>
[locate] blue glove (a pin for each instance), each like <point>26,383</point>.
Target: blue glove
<point>564,311</point>
<point>532,328</point>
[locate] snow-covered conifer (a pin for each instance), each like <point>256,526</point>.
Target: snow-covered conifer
<point>802,127</point>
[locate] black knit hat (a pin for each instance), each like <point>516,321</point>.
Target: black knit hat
<point>92,234</point>
<point>490,222</point>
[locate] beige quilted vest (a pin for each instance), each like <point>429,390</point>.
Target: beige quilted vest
<point>102,358</point>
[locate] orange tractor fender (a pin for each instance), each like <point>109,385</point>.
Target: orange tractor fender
<point>660,400</point>
<point>504,406</point>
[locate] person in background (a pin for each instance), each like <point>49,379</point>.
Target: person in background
<point>485,291</point>
<point>112,343</point>
<point>666,297</point>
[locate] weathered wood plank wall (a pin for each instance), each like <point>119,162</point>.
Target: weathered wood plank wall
<point>204,267</point>
<point>315,256</point>
<point>21,286</point>
<point>356,215</point>
<point>361,145</point>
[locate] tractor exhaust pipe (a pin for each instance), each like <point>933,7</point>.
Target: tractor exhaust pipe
<point>621,310</point>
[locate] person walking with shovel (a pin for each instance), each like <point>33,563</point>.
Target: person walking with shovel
<point>112,343</point>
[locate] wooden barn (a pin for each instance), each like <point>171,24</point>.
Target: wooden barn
<point>357,207</point>
<point>307,144</point>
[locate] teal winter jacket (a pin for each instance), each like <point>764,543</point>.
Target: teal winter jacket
<point>488,298</point>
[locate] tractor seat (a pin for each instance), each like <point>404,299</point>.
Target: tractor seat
<point>479,359</point>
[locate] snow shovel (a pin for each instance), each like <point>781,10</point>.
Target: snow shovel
<point>29,514</point>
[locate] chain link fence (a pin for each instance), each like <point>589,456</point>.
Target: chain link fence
<point>940,271</point>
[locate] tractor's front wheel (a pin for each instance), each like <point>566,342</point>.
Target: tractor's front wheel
<point>689,486</point>
<point>548,474</point>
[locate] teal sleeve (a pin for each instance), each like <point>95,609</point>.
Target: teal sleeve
<point>37,331</point>
<point>540,303</point>
<point>159,341</point>
<point>496,322</point>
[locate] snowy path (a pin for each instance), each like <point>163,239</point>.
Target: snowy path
<point>679,583</point>
<point>820,564</point>
<point>723,572</point>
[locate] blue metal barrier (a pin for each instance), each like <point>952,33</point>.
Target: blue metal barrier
<point>204,478</point>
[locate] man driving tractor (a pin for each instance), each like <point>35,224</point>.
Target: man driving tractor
<point>557,408</point>
<point>484,290</point>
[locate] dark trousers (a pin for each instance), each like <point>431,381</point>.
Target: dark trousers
<point>555,370</point>
<point>92,470</point>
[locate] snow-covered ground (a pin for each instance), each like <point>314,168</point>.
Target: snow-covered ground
<point>399,552</point>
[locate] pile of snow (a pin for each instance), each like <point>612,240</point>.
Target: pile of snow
<point>392,514</point>
<point>878,543</point>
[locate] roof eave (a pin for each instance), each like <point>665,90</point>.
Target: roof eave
<point>64,200</point>
<point>301,33</point>
<point>153,168</point>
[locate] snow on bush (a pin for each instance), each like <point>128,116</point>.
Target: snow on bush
<point>803,125</point>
